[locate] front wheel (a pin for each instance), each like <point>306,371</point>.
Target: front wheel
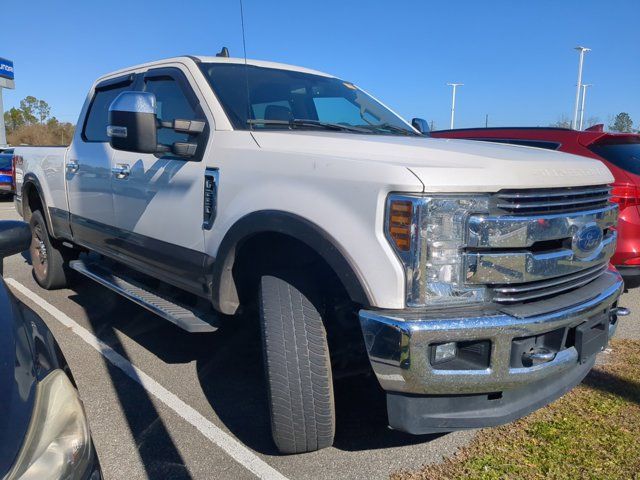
<point>47,258</point>
<point>297,364</point>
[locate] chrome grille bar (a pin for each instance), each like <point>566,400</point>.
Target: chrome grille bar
<point>598,269</point>
<point>524,266</point>
<point>553,193</point>
<point>553,199</point>
<point>553,203</point>
<point>541,289</point>
<point>518,231</point>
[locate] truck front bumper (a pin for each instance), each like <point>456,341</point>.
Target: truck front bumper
<point>487,379</point>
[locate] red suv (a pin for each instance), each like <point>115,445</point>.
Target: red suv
<point>619,151</point>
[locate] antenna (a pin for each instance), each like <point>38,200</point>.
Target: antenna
<point>244,41</point>
<point>246,67</point>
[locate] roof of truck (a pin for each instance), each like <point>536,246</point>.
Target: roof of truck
<point>214,59</point>
<point>259,63</point>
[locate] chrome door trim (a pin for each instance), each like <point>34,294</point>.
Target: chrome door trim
<point>121,171</point>
<point>73,166</point>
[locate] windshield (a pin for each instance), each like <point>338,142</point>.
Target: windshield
<point>623,155</point>
<point>284,99</point>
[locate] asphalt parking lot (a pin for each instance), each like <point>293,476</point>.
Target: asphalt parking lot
<point>164,403</point>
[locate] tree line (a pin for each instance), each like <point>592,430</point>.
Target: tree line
<point>621,123</point>
<point>32,124</point>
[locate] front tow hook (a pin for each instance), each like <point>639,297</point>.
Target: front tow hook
<point>537,356</point>
<point>620,311</point>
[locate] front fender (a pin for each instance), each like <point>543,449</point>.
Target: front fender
<point>224,295</point>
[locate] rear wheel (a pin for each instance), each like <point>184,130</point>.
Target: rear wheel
<point>48,257</point>
<point>297,364</point>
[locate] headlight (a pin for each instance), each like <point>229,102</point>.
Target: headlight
<point>428,234</point>
<point>57,444</point>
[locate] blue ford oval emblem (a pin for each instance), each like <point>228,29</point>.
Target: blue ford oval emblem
<point>587,239</point>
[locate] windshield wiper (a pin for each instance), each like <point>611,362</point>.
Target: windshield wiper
<point>300,122</point>
<point>391,128</point>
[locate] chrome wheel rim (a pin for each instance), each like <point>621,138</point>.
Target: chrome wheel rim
<point>38,251</point>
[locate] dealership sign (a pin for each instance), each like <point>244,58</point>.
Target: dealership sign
<point>6,68</point>
<point>6,74</point>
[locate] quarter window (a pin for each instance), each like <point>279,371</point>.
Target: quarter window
<point>623,155</point>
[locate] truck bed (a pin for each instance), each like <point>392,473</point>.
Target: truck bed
<point>47,164</point>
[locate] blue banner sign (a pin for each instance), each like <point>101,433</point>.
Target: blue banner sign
<point>6,68</point>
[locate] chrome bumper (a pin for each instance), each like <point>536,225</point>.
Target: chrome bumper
<point>398,342</point>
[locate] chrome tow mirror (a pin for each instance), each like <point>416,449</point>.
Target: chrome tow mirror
<point>133,123</point>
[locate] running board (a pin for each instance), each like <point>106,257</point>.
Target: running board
<point>185,317</point>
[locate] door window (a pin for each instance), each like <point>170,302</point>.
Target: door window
<point>172,104</point>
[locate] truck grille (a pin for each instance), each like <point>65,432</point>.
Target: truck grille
<point>545,288</point>
<point>531,243</point>
<point>552,200</point>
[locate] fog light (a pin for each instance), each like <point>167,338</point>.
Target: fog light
<point>444,352</point>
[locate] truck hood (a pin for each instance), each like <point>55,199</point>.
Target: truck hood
<point>446,165</point>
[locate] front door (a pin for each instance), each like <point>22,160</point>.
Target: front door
<point>88,168</point>
<point>158,201</point>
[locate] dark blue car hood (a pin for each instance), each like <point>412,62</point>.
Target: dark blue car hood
<point>17,378</point>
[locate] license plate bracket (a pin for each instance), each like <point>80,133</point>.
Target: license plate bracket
<point>592,336</point>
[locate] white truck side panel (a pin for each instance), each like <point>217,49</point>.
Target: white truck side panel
<point>47,164</point>
<point>345,198</point>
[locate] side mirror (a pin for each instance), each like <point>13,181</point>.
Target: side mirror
<point>15,237</point>
<point>132,122</point>
<point>133,126</point>
<point>421,125</point>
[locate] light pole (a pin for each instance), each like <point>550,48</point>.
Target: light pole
<point>453,100</point>
<point>582,51</point>
<point>584,95</point>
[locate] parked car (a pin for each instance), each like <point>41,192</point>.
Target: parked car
<point>620,152</point>
<point>43,428</point>
<point>6,172</point>
<point>474,276</point>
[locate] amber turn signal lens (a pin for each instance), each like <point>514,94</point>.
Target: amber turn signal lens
<point>400,220</point>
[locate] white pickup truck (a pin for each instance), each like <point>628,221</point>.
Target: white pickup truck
<point>473,276</point>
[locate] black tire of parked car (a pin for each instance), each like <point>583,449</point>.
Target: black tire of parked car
<point>48,256</point>
<point>297,364</point>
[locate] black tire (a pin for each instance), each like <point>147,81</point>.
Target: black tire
<point>297,365</point>
<point>47,256</point>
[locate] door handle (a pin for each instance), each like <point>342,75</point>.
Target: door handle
<point>72,166</point>
<point>121,171</point>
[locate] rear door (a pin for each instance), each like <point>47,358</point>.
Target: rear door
<point>88,168</point>
<point>159,204</point>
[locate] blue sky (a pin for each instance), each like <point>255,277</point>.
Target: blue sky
<point>515,58</point>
